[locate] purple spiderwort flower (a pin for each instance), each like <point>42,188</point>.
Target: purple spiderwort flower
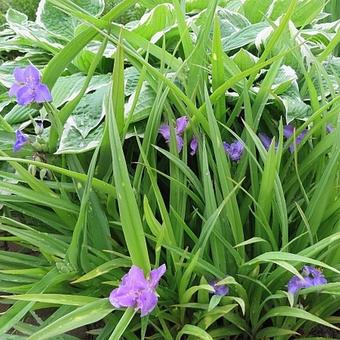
<point>20,140</point>
<point>193,146</point>
<point>311,277</point>
<point>266,140</point>
<point>329,128</point>
<point>181,124</point>
<point>28,87</point>
<point>136,291</point>
<point>288,131</point>
<point>234,150</point>
<point>219,290</point>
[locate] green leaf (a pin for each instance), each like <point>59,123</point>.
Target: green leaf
<point>72,142</point>
<point>159,18</point>
<point>144,104</point>
<point>243,37</point>
<point>284,79</point>
<point>195,331</point>
<point>244,59</point>
<point>88,113</point>
<point>128,208</point>
<point>295,313</point>
<point>58,22</point>
<point>294,106</point>
<point>255,10</point>
<point>84,315</point>
<point>59,299</point>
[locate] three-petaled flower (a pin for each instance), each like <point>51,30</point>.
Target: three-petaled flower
<point>288,131</point>
<point>181,124</point>
<point>234,150</point>
<point>219,290</point>
<point>136,291</point>
<point>20,140</point>
<point>310,277</point>
<point>28,87</point>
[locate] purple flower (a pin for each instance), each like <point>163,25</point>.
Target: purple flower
<point>234,150</point>
<point>181,124</point>
<point>311,277</point>
<point>28,87</point>
<point>219,290</point>
<point>136,291</point>
<point>329,128</point>
<point>266,140</point>
<point>20,140</point>
<point>288,131</point>
<point>193,146</point>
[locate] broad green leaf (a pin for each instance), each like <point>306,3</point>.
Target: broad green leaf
<point>58,22</point>
<point>255,10</point>
<point>88,113</point>
<point>244,59</point>
<point>72,142</point>
<point>294,106</point>
<point>243,37</point>
<point>283,80</point>
<point>159,18</point>
<point>144,104</point>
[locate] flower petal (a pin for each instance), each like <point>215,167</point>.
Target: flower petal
<point>25,96</point>
<point>42,94</point>
<point>288,130</point>
<point>234,150</point>
<point>134,279</point>
<point>155,276</point>
<point>164,130</point>
<point>193,146</point>
<point>266,141</point>
<point>147,301</point>
<point>13,91</point>
<point>19,75</point>
<point>32,75</point>
<point>123,297</point>
<point>20,140</point>
<point>180,142</point>
<point>181,124</point>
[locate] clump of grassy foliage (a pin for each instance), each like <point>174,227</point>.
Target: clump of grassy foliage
<point>97,190</point>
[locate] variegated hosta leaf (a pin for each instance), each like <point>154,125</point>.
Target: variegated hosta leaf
<point>284,79</point>
<point>159,18</point>
<point>144,103</point>
<point>58,22</point>
<point>73,142</point>
<point>295,107</point>
<point>243,37</point>
<point>131,77</point>
<point>244,59</point>
<point>88,113</point>
<point>30,32</point>
<point>67,88</point>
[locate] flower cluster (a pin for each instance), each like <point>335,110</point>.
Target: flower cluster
<point>288,131</point>
<point>311,277</point>
<point>136,291</point>
<point>234,150</point>
<point>28,87</point>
